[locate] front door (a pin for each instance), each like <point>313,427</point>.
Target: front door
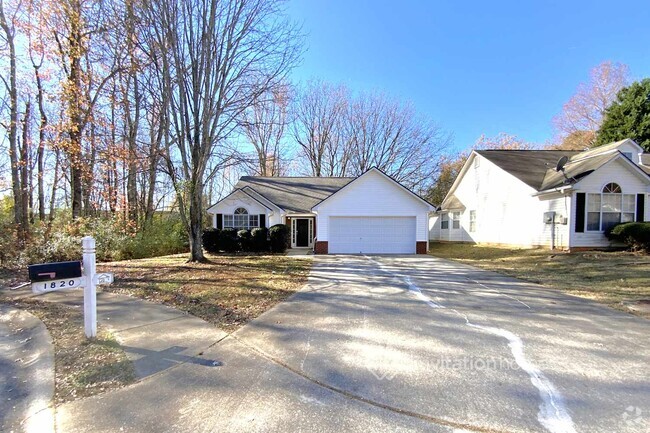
<point>302,232</point>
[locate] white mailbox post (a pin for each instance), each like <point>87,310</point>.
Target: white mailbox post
<point>90,290</point>
<point>88,280</point>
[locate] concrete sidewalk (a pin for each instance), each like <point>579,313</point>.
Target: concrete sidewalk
<point>27,379</point>
<point>155,337</point>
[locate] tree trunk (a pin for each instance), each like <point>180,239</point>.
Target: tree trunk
<point>12,89</point>
<point>24,173</point>
<point>196,222</point>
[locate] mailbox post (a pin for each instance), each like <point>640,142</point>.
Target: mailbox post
<point>50,277</point>
<point>90,290</point>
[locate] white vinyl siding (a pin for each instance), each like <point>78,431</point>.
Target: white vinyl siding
<point>373,195</point>
<point>372,235</point>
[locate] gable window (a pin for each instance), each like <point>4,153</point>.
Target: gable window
<point>455,220</point>
<point>609,208</point>
<point>472,221</point>
<point>241,219</point>
<point>444,221</point>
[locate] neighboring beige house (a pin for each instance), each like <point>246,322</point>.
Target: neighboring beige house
<point>371,213</point>
<point>520,198</point>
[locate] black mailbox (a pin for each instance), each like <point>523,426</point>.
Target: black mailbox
<point>54,271</point>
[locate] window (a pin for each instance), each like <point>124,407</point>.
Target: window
<point>472,221</point>
<point>455,220</point>
<point>241,219</point>
<point>444,221</point>
<point>609,208</point>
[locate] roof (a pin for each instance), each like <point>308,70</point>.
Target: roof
<point>294,194</point>
<point>529,166</point>
<point>575,169</point>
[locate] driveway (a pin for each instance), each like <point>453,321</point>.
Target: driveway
<point>393,344</point>
<point>461,347</point>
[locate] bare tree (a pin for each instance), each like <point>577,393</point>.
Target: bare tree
<point>8,19</point>
<point>318,127</point>
<point>216,59</point>
<point>582,114</point>
<point>389,135</point>
<point>263,124</point>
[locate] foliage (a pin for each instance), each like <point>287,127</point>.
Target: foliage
<point>228,240</point>
<point>260,239</point>
<point>115,239</point>
<point>279,238</point>
<point>449,170</point>
<point>628,116</point>
<point>635,234</point>
<point>582,115</point>
<point>244,240</point>
<point>211,240</point>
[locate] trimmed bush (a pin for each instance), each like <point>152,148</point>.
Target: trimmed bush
<point>636,235</point>
<point>260,239</point>
<point>244,240</point>
<point>279,238</point>
<point>228,240</point>
<point>211,240</point>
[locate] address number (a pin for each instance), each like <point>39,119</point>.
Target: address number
<point>52,285</point>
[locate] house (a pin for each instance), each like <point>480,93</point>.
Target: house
<point>545,198</point>
<point>371,213</point>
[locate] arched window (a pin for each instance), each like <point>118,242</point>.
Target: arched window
<point>612,188</point>
<point>609,208</point>
<point>240,219</point>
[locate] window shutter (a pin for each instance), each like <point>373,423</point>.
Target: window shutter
<point>640,207</point>
<point>219,221</point>
<point>262,220</point>
<point>580,212</point>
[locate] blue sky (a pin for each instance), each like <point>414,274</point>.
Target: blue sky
<point>474,67</point>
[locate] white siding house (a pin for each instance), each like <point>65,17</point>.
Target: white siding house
<point>371,213</point>
<point>518,198</point>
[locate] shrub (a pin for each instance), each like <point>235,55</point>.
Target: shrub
<point>260,239</point>
<point>279,238</point>
<point>211,241</point>
<point>244,240</point>
<point>228,240</point>
<point>635,235</point>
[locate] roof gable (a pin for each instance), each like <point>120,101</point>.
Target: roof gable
<point>384,176</point>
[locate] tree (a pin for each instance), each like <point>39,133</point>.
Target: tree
<point>215,59</point>
<point>318,124</point>
<point>263,124</point>
<point>583,113</point>
<point>449,171</point>
<point>388,134</point>
<point>628,116</point>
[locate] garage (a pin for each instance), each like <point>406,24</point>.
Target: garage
<point>372,235</point>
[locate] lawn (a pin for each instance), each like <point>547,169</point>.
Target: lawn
<point>83,367</point>
<point>227,291</point>
<point>619,279</point>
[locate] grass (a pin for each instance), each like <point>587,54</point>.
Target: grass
<point>83,367</point>
<point>618,279</point>
<point>227,291</point>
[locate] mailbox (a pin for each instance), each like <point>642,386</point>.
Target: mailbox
<point>54,271</point>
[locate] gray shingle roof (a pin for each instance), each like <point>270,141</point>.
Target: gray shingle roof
<point>536,168</point>
<point>294,194</point>
<point>529,166</point>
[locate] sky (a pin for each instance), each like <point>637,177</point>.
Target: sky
<point>473,67</point>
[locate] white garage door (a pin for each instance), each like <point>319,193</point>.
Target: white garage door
<point>354,235</point>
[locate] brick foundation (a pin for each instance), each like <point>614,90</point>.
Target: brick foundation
<point>421,247</point>
<point>320,247</point>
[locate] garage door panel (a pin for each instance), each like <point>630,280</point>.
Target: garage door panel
<point>372,235</point>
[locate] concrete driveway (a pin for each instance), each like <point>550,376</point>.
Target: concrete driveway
<point>460,348</point>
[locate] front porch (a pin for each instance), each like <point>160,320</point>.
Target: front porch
<point>302,229</point>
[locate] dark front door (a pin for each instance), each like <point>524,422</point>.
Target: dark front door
<point>302,232</point>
